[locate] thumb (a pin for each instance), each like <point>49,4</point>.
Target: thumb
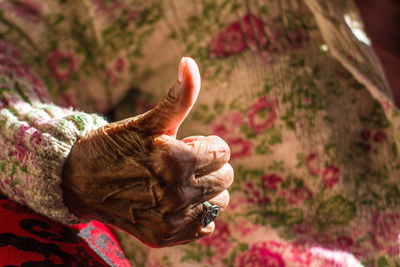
<point>168,115</point>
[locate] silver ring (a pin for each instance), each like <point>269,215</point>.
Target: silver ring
<point>210,213</point>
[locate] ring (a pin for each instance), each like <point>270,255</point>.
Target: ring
<point>210,213</point>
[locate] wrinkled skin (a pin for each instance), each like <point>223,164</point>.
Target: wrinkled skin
<point>134,174</point>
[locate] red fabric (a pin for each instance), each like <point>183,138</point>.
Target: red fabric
<point>28,239</point>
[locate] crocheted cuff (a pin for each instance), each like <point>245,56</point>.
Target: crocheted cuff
<point>48,199</point>
<point>39,138</point>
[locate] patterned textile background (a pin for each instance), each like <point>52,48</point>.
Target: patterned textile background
<point>315,152</point>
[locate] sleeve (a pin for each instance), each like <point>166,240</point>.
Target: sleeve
<point>36,137</point>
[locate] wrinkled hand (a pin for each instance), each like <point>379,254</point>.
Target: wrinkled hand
<point>134,174</point>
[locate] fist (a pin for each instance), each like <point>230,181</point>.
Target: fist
<point>135,175</point>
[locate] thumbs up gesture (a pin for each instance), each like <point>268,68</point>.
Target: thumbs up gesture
<point>134,174</point>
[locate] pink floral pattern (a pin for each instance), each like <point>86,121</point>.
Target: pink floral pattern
<point>297,38</point>
<point>385,232</point>
<point>331,175</point>
<point>229,123</point>
<point>271,181</point>
<point>380,136</point>
<point>262,104</point>
<point>229,42</point>
<point>245,227</point>
<point>254,195</point>
<point>120,64</point>
<point>365,134</point>
<point>298,195</point>
<point>237,36</point>
<point>67,99</point>
<point>239,147</point>
<point>259,255</point>
<point>219,240</point>
<point>29,10</point>
<point>312,162</point>
<point>62,64</point>
<point>227,128</point>
<point>252,32</point>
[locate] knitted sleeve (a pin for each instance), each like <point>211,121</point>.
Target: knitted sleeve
<point>36,137</point>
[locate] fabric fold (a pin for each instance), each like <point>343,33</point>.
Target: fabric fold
<point>358,58</point>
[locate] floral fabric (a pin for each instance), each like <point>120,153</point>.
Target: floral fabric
<point>315,152</point>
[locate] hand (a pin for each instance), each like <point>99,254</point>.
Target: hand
<point>134,174</point>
